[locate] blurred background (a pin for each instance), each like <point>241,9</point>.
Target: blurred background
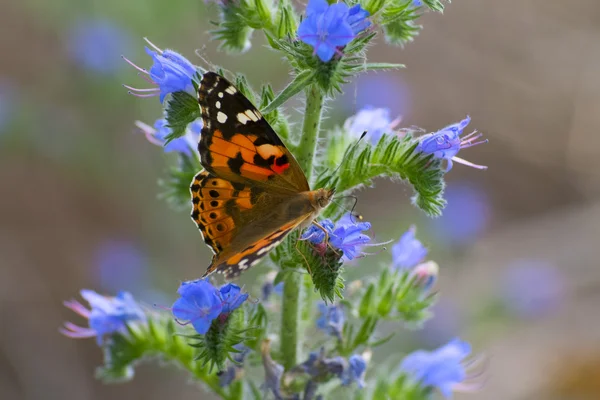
<point>518,245</point>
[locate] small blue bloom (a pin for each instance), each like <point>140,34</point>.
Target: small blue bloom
<point>199,304</point>
<point>357,18</point>
<point>408,251</point>
<point>170,72</point>
<point>231,297</point>
<point>269,286</point>
<point>446,143</point>
<point>417,3</point>
<point>108,315</point>
<point>315,235</point>
<point>273,370</point>
<point>317,365</point>
<point>331,320</point>
<point>348,237</point>
<point>234,371</point>
<point>97,45</point>
<point>357,367</point>
<point>376,121</point>
<point>442,368</point>
<point>326,28</point>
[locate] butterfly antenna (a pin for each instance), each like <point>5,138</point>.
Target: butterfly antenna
<point>199,52</point>
<point>358,217</point>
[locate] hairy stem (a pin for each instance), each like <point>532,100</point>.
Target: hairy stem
<point>293,282</point>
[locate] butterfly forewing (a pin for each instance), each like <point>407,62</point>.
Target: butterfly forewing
<point>238,144</point>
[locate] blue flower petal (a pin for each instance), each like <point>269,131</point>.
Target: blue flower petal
<point>199,304</point>
<point>231,297</point>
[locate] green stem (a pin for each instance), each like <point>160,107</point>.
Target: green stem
<point>293,282</point>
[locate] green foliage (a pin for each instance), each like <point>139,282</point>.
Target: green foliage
<point>182,109</point>
<point>234,28</point>
<point>323,264</point>
<point>393,158</point>
<point>218,344</point>
<point>176,186</point>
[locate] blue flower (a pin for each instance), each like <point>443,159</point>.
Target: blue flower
<point>326,28</point>
<point>357,18</point>
<point>408,251</point>
<point>348,237</point>
<point>170,71</point>
<point>376,121</point>
<point>269,286</point>
<point>417,3</point>
<point>236,370</point>
<point>357,367</point>
<point>442,368</point>
<point>446,143</point>
<point>231,297</point>
<point>184,144</point>
<point>199,304</point>
<point>97,45</point>
<point>331,320</point>
<point>108,315</point>
<point>315,235</point>
<point>344,235</point>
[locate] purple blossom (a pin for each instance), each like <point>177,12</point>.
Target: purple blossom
<point>446,143</point>
<point>326,27</point>
<point>357,18</point>
<point>357,367</point>
<point>376,121</point>
<point>97,45</point>
<point>200,303</point>
<point>443,368</point>
<point>108,315</point>
<point>408,251</point>
<point>170,72</point>
<point>532,288</point>
<point>417,3</point>
<point>184,144</point>
<point>331,320</point>
<point>273,370</point>
<point>231,297</point>
<point>346,235</point>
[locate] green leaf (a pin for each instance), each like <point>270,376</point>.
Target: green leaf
<point>301,80</point>
<point>176,186</point>
<point>367,302</point>
<point>182,108</point>
<point>392,158</point>
<point>236,26</point>
<point>382,66</point>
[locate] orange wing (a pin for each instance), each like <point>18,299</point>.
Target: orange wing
<point>239,145</point>
<point>242,223</point>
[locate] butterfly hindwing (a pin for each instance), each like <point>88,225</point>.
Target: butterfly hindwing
<point>238,144</point>
<point>242,223</point>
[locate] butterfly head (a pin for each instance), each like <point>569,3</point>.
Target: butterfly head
<point>323,197</point>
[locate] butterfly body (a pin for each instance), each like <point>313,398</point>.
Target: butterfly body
<point>252,192</point>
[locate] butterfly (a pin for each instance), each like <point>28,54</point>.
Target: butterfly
<point>252,191</point>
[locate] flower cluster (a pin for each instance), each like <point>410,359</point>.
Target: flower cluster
<point>231,336</point>
<point>201,303</point>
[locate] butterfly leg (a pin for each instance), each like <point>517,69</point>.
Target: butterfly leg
<point>305,260</point>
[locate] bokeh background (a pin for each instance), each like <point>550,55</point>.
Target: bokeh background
<point>518,245</point>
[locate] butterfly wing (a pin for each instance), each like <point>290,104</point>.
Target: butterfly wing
<point>238,144</point>
<point>242,223</point>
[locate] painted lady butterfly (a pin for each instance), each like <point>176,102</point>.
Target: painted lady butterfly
<point>252,192</point>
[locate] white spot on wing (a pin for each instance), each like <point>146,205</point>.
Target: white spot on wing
<point>218,104</point>
<point>231,90</point>
<point>220,95</point>
<point>221,117</point>
<point>268,248</point>
<point>251,115</point>
<point>243,118</point>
